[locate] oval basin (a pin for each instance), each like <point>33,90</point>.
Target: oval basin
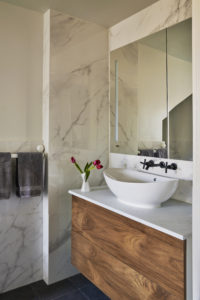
<point>140,189</point>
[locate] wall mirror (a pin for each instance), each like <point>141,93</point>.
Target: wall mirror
<point>151,95</point>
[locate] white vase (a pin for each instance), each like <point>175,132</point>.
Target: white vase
<point>85,185</point>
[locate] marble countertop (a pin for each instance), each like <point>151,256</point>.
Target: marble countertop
<point>173,218</point>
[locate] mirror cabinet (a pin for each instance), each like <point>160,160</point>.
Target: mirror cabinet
<point>151,95</point>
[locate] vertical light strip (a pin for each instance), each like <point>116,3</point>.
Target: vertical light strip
<point>116,103</point>
<point>167,97</point>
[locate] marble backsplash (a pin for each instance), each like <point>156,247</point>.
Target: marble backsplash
<point>183,173</point>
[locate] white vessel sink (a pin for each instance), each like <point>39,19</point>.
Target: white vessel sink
<point>140,189</point>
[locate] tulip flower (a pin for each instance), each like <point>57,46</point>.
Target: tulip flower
<point>88,167</point>
<point>73,160</point>
<point>96,162</point>
<point>99,167</point>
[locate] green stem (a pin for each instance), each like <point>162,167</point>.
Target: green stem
<point>87,175</point>
<point>78,168</point>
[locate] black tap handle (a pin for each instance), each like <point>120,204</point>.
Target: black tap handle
<point>162,164</point>
<point>149,164</point>
<point>143,163</point>
<point>173,166</point>
<point>166,167</point>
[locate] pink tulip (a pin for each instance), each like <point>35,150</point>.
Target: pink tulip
<point>96,162</point>
<point>73,160</point>
<point>99,166</point>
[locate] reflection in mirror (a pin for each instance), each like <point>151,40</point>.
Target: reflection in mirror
<point>179,50</point>
<point>138,97</point>
<point>151,95</point>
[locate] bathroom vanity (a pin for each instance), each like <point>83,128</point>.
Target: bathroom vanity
<point>132,253</point>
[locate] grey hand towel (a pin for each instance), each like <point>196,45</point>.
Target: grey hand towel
<point>146,152</point>
<point>5,175</point>
<point>29,174</point>
<point>161,153</point>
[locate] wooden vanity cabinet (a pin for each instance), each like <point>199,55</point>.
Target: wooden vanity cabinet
<point>124,258</point>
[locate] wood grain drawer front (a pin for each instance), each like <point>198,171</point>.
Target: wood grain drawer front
<point>113,277</point>
<point>155,255</point>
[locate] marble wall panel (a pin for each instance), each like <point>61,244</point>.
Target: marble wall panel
<point>21,232</point>
<point>78,124</point>
<point>160,15</point>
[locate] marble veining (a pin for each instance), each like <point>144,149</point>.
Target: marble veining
<point>77,125</point>
<point>160,15</point>
<point>21,232</point>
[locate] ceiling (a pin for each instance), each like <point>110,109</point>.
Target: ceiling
<point>103,12</point>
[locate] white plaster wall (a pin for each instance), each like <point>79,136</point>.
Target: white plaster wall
<point>20,74</point>
<point>196,147</point>
<point>180,80</point>
<point>152,107</point>
<point>20,130</point>
<point>78,124</point>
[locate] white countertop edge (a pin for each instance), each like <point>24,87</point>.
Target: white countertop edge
<point>152,225</point>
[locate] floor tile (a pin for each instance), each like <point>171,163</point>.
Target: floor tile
<point>24,293</point>
<point>79,281</point>
<point>75,288</point>
<point>48,292</point>
<point>92,292</point>
<point>73,295</point>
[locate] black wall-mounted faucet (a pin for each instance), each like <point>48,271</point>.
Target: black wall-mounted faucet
<point>172,166</point>
<point>150,164</point>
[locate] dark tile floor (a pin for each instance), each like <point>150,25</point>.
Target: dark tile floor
<point>73,288</point>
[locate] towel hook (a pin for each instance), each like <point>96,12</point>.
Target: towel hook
<point>40,148</point>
